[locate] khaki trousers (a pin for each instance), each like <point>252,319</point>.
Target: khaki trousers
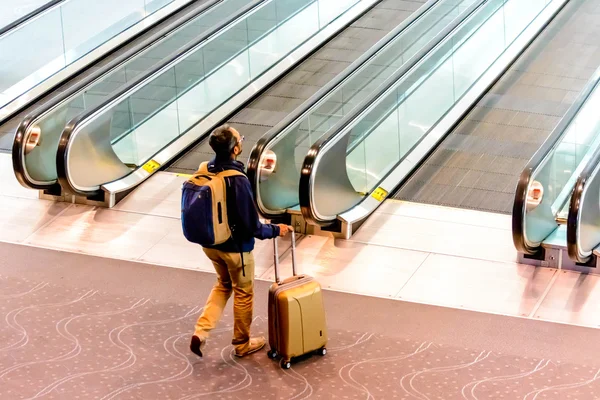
<point>229,279</point>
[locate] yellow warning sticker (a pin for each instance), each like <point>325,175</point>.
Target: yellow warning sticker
<point>379,194</point>
<point>151,166</point>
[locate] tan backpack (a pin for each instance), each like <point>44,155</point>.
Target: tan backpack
<point>204,207</point>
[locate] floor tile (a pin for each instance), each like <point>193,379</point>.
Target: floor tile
<point>175,250</point>
<point>103,232</point>
<point>353,267</point>
<point>19,218</point>
<point>160,195</point>
<point>446,214</point>
<point>512,289</point>
<point>8,182</point>
<point>438,237</point>
<point>574,298</point>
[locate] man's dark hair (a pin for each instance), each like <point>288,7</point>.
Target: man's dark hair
<point>222,141</point>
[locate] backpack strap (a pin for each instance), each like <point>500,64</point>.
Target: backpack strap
<point>229,173</point>
<point>203,170</point>
<point>200,174</point>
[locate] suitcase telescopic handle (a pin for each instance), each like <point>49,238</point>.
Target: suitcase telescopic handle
<point>276,260</point>
<point>276,257</point>
<point>294,273</point>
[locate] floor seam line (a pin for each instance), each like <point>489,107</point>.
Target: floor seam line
<point>442,221</point>
<point>47,223</point>
<point>397,295</point>
<point>141,213</point>
<point>12,196</point>
<point>140,258</point>
<point>544,295</point>
<point>433,252</point>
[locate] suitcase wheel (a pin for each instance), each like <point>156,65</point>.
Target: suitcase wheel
<point>272,354</point>
<point>286,364</point>
<point>322,351</point>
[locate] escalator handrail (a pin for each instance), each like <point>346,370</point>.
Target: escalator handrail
<point>32,14</point>
<point>263,143</point>
<point>537,162</point>
<point>587,175</point>
<point>29,121</point>
<point>317,150</point>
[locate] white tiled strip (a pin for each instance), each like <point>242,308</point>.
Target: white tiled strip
<point>431,267</point>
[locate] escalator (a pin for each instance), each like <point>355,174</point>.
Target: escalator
<point>369,155</point>
<point>276,161</point>
<point>478,164</point>
<point>56,41</point>
<point>583,219</point>
<point>38,132</point>
<point>102,159</point>
<point>556,207</point>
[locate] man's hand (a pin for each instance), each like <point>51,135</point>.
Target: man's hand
<point>284,229</point>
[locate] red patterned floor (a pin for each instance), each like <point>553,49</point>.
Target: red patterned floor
<point>81,327</point>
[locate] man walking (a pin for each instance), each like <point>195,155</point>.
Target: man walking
<point>233,260</point>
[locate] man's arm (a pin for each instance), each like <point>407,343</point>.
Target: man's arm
<point>248,214</point>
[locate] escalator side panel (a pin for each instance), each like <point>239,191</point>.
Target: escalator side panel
<point>478,165</point>
<point>8,128</point>
<point>259,116</point>
<point>66,39</point>
<point>203,103</point>
<point>427,104</point>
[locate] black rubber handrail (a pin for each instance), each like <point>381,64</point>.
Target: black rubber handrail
<point>315,150</point>
<point>31,118</point>
<point>262,144</point>
<point>73,125</point>
<point>587,177</point>
<point>546,149</point>
<point>576,206</point>
<point>15,24</point>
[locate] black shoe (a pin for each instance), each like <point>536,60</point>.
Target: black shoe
<point>197,345</point>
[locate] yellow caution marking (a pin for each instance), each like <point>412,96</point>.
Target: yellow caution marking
<point>151,166</point>
<point>379,194</point>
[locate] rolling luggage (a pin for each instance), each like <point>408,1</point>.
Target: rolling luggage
<point>296,314</point>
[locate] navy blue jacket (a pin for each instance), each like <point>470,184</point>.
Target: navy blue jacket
<point>241,211</point>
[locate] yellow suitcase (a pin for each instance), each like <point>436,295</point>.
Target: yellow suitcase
<point>297,323</point>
